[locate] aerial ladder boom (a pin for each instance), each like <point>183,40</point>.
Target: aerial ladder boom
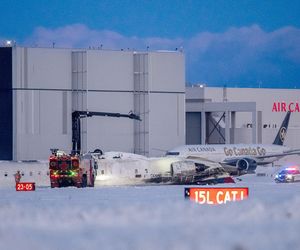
<point>76,130</point>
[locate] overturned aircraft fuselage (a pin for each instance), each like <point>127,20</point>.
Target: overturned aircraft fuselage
<point>133,169</point>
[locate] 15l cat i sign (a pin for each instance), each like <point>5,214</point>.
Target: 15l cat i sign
<point>216,196</point>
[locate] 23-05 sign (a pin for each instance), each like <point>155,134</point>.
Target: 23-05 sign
<point>25,186</point>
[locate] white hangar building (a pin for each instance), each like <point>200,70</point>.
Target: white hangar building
<point>240,115</point>
<point>41,87</point>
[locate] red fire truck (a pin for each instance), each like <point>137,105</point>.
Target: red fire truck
<point>72,170</point>
<point>77,169</point>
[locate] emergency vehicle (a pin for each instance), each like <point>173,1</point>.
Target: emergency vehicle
<point>289,174</point>
<point>78,169</point>
<point>72,170</point>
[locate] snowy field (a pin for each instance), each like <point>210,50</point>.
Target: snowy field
<point>148,217</point>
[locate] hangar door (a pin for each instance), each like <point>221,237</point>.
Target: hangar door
<point>193,128</point>
<point>6,133</point>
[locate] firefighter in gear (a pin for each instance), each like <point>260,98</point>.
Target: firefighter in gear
<point>17,177</point>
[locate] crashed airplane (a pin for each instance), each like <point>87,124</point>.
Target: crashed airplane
<point>115,168</point>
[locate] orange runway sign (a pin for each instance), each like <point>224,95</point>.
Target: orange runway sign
<point>216,196</point>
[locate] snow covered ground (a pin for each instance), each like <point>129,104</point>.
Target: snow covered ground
<point>147,217</point>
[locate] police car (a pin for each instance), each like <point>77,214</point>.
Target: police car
<point>289,174</point>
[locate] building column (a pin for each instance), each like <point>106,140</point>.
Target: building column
<point>203,127</point>
<point>254,126</point>
<point>227,127</point>
<point>259,127</point>
<point>232,132</point>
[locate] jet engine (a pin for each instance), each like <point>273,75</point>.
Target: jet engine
<point>246,164</point>
<point>183,168</point>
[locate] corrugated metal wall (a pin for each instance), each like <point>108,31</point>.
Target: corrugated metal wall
<point>49,84</point>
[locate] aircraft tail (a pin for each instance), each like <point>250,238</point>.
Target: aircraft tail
<point>282,130</point>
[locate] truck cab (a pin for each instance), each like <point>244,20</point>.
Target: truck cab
<point>71,170</point>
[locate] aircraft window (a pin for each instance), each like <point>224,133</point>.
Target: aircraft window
<point>172,153</point>
<point>146,171</point>
<point>102,171</point>
<point>136,171</point>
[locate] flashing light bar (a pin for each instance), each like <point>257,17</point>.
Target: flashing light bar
<point>292,168</point>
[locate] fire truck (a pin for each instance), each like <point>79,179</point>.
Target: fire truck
<point>78,169</point>
<point>72,170</point>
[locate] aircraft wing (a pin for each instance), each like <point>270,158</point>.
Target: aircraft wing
<point>231,169</point>
<point>290,152</point>
<point>201,159</point>
<point>200,171</point>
